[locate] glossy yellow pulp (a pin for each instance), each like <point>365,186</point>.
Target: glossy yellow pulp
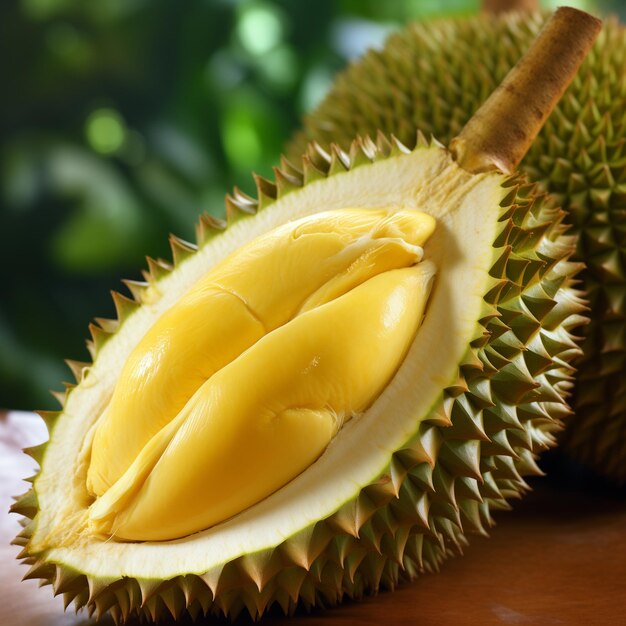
<point>242,384</point>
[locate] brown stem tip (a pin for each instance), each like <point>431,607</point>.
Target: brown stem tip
<point>500,133</point>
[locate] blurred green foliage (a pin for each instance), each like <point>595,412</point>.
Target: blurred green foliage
<point>123,120</point>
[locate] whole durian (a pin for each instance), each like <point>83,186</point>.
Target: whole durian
<point>325,395</point>
<point>431,76</point>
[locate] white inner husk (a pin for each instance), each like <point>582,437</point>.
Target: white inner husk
<point>466,209</point>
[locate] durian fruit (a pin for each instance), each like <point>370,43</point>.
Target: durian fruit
<point>440,435</point>
<point>432,76</point>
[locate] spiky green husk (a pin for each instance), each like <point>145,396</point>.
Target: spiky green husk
<point>433,76</point>
<point>468,458</point>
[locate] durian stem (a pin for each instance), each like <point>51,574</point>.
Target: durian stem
<point>500,133</point>
<point>495,7</point>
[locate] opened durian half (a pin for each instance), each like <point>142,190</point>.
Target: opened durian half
<point>324,397</point>
<point>432,76</point>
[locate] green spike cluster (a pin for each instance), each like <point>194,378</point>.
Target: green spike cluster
<point>468,458</point>
<point>433,76</point>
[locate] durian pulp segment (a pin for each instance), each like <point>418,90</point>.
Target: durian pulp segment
<point>269,414</point>
<point>247,295</point>
<point>266,415</point>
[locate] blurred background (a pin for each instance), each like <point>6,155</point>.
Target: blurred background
<point>123,120</point>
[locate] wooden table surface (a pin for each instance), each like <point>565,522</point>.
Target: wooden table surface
<point>558,558</point>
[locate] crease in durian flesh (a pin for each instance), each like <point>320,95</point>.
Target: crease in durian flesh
<point>243,383</point>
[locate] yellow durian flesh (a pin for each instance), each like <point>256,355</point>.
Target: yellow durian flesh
<point>253,291</point>
<point>268,414</point>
